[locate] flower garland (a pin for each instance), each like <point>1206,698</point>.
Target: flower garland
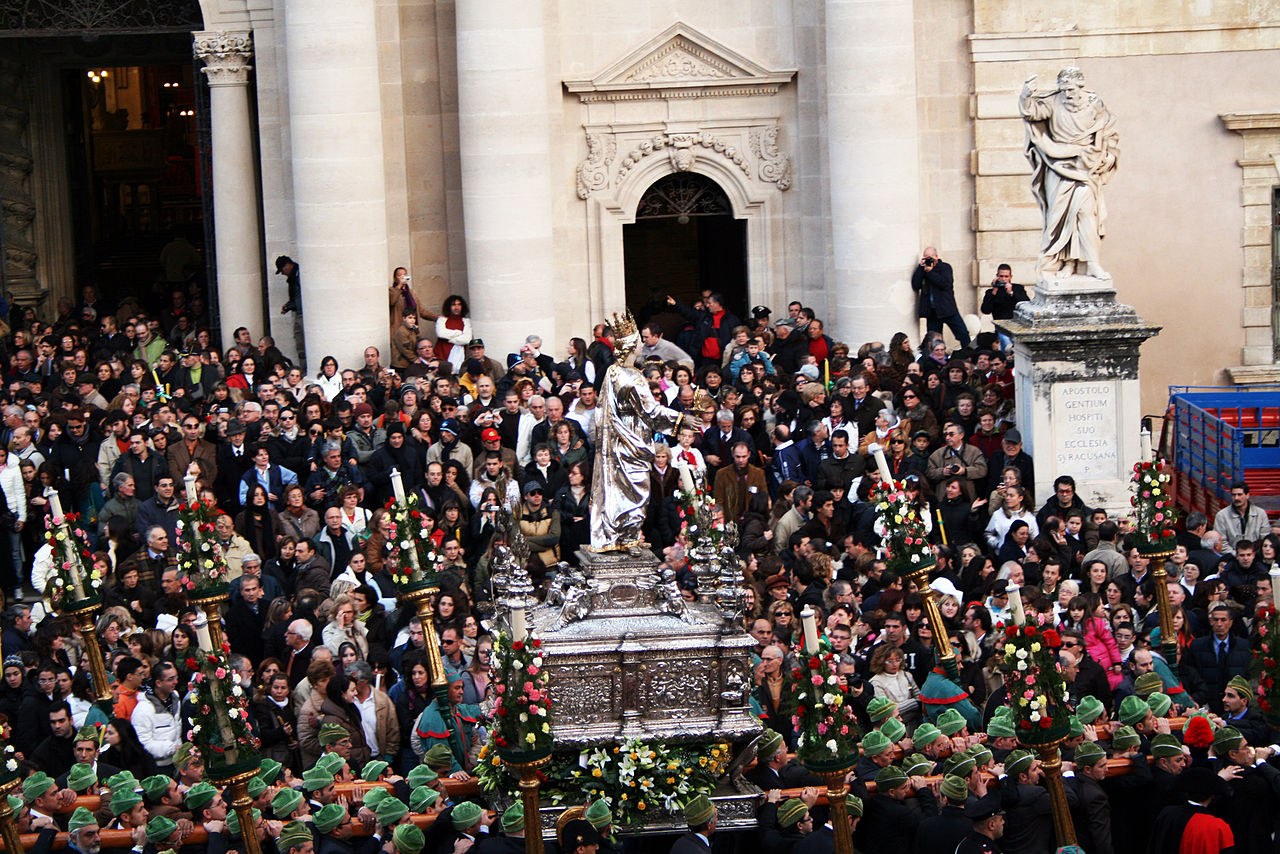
<point>903,529</point>
<point>202,567</point>
<point>223,739</point>
<point>1266,664</point>
<point>411,533</point>
<point>71,554</point>
<point>520,722</point>
<point>636,778</point>
<point>1037,692</point>
<point>827,725</point>
<point>1153,511</point>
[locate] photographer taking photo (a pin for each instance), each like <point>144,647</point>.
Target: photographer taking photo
<point>934,284</point>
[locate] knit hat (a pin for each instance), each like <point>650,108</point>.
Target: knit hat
<point>791,812</point>
<point>926,734</point>
<point>439,757</point>
<point>295,833</point>
<point>1226,740</point>
<point>599,814</point>
<point>890,777</point>
<point>421,775</point>
<point>950,722</point>
<point>982,755</point>
<point>160,828</point>
<point>770,743</point>
<point>955,788</point>
<point>122,781</point>
<point>156,787</point>
<point>81,778</point>
<point>998,728</point>
<point>287,800</point>
<point>698,810</point>
<point>1164,746</point>
<point>1017,761</point>
<point>391,810</point>
<point>201,795</point>
<point>121,801</point>
<point>916,765</point>
<point>853,806</point>
<point>408,839</point>
<point>880,708</point>
<point>1089,753</point>
<point>316,779</point>
<point>466,814</point>
<point>80,818</point>
<point>894,729</point>
<point>269,771</point>
<point>1241,685</point>
<point>373,770</point>
<point>233,820</point>
<point>329,817</point>
<point>1075,729</point>
<point>513,818</point>
<point>375,796</point>
<point>1133,710</point>
<point>421,798</point>
<point>1089,709</point>
<point>331,733</point>
<point>1125,738</point>
<point>35,786</point>
<point>875,742</point>
<point>959,764</point>
<point>330,762</point>
<point>255,787</point>
<point>1160,704</point>
<point>1147,684</point>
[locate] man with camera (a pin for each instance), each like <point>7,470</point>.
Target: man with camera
<point>1000,300</point>
<point>956,458</point>
<point>934,285</point>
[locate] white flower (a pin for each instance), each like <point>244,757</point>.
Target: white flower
<point>831,745</point>
<point>11,765</point>
<point>1022,654</point>
<point>1022,665</point>
<point>1035,716</point>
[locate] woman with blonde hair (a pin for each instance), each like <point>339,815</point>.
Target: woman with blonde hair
<point>343,626</point>
<point>892,681</point>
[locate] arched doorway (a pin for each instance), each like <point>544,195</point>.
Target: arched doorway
<point>685,240</point>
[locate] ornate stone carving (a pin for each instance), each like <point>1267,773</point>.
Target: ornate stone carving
<point>682,142</point>
<point>226,56</point>
<point>681,59</point>
<point>775,167</point>
<point>593,172</point>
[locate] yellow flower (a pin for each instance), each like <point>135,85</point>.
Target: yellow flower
<point>639,805</point>
<point>596,772</point>
<point>671,781</point>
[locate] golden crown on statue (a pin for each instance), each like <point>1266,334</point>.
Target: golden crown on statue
<point>623,325</point>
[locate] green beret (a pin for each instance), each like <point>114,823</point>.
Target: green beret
<point>233,820</point>
<point>422,775</point>
<point>316,779</point>
<point>598,814</point>
<point>332,733</point>
<point>35,786</point>
<point>330,762</point>
<point>698,811</point>
<point>90,733</point>
<point>1241,686</point>
<point>156,787</point>
<point>770,743</point>
<point>287,800</point>
<point>255,787</point>
<point>1000,728</point>
<point>81,778</point>
<point>16,806</point>
<point>959,764</point>
<point>123,801</point>
<point>1164,746</point>
<point>926,734</point>
<point>375,796</point>
<point>890,777</point>
<point>1089,709</point>
<point>1226,740</point>
<point>1147,684</point>
<point>391,810</point>
<point>791,812</point>
<point>408,839</point>
<point>269,771</point>
<point>422,798</point>
<point>1133,710</point>
<point>122,780</point>
<point>895,729</point>
<point>916,765</point>
<point>1075,729</point>
<point>982,755</point>
<point>880,708</point>
<point>466,814</point>
<point>955,788</point>
<point>951,722</point>
<point>875,742</point>
<point>81,818</point>
<point>1005,712</point>
<point>293,835</point>
<point>329,817</point>
<point>160,828</point>
<point>372,770</point>
<point>513,818</point>
<point>200,796</point>
<point>853,806</point>
<point>187,752</point>
<point>1125,738</point>
<point>1089,753</point>
<point>1018,761</point>
<point>438,757</point>
<point>1160,704</point>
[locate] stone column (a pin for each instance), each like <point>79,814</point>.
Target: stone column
<point>874,166</point>
<point>335,128</point>
<point>236,217</point>
<point>504,130</point>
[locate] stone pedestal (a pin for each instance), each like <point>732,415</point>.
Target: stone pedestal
<point>1076,369</point>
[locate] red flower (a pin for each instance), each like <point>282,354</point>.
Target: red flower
<point>1199,733</point>
<point>192,664</point>
<point>536,643</point>
<point>814,663</point>
<point>1265,704</point>
<point>1026,724</point>
<point>518,645</point>
<point>1029,631</point>
<point>1011,631</point>
<point>1046,722</point>
<point>1052,638</point>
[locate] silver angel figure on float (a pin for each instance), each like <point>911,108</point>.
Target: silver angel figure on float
<point>623,438</point>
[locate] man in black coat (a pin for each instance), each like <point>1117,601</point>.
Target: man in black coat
<point>1212,660</point>
<point>246,618</point>
<point>700,815</point>
<point>890,823</point>
<point>1237,712</point>
<point>1000,300</point>
<point>712,328</point>
<point>56,754</point>
<point>934,284</point>
<point>774,769</point>
<point>940,834</point>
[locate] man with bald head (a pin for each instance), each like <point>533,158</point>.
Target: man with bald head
<point>934,284</point>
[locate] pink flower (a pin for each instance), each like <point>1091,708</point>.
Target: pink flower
<point>816,679</point>
<point>844,730</point>
<point>1028,695</point>
<point>221,673</point>
<point>822,729</point>
<point>533,671</point>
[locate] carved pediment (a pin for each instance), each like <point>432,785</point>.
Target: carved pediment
<point>679,63</point>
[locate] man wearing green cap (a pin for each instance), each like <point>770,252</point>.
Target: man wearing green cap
<point>295,838</point>
<point>188,762</point>
<point>784,824</point>
<point>601,818</point>
<point>85,751</point>
<point>774,769</point>
<point>466,819</point>
<point>877,754</point>
<point>940,834</point>
<point>1002,738</point>
<point>929,740</point>
<point>408,839</point>
<point>333,829</point>
<point>425,800</point>
<point>890,823</point>
<point>160,792</point>
<point>1238,712</point>
<point>43,797</point>
<point>204,802</point>
<point>318,783</point>
<point>700,816</point>
<point>1026,803</point>
<point>289,804</point>
<point>1093,815</point>
<point>1254,782</point>
<point>162,832</point>
<point>511,840</point>
<point>83,832</point>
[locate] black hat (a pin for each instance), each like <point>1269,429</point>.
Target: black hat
<point>281,261</point>
<point>760,311</point>
<point>474,367</point>
<point>235,427</point>
<point>983,808</point>
<point>578,832</point>
<point>476,342</point>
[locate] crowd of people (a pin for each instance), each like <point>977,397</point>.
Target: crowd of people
<point>112,407</point>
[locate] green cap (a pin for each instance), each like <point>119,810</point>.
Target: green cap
<point>698,810</point>
<point>951,722</point>
<point>328,817</point>
<point>1164,746</point>
<point>960,764</point>
<point>187,752</point>
<point>1075,729</point>
<point>255,787</point>
<point>123,801</point>
<point>880,708</point>
<point>770,743</point>
<point>1225,740</point>
<point>1160,704</point>
<point>598,814</point>
<point>422,798</point>
<point>408,839</point>
<point>391,810</point>
<point>422,775</point>
<point>1089,709</point>
<point>269,771</point>
<point>91,732</point>
<point>875,742</point>
<point>955,788</point>
<point>330,762</point>
<point>16,806</point>
<point>1125,738</point>
<point>156,787</point>
<point>122,780</point>
<point>890,777</point>
<point>466,814</point>
<point>316,779</point>
<point>233,820</point>
<point>35,786</point>
<point>81,818</point>
<point>1241,686</point>
<point>982,755</point>
<point>791,812</point>
<point>160,828</point>
<point>1017,761</point>
<point>375,796</point>
<point>332,733</point>
<point>1133,710</point>
<point>439,757</point>
<point>1147,684</point>
<point>513,818</point>
<point>895,729</point>
<point>200,796</point>
<point>1000,728</point>
<point>292,835</point>
<point>372,770</point>
<point>81,778</point>
<point>287,800</point>
<point>1089,753</point>
<point>853,806</point>
<point>916,765</point>
<point>926,734</point>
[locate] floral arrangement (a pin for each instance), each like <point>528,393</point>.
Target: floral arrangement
<point>903,528</point>
<point>201,564</point>
<point>219,710</point>
<point>827,725</point>
<point>1153,511</point>
<point>701,520</point>
<point>637,779</point>
<point>1037,691</point>
<point>9,768</point>
<point>1266,663</point>
<point>411,534</point>
<point>72,558</point>
<point>520,720</point>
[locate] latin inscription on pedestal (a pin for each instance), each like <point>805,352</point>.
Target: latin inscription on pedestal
<point>1084,424</point>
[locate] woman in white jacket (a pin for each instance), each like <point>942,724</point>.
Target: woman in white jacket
<point>1015,508</point>
<point>343,626</point>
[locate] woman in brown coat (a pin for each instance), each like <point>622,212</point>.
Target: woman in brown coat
<point>339,707</point>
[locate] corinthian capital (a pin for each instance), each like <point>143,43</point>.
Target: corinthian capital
<point>226,56</point>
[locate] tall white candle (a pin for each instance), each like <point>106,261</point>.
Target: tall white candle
<point>1275,586</point>
<point>808,619</point>
<point>1145,437</point>
<point>55,506</point>
<point>203,638</point>
<point>397,486</point>
<point>189,483</point>
<point>519,629</point>
<point>686,481</point>
<point>882,465</point>
<point>1015,604</point>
